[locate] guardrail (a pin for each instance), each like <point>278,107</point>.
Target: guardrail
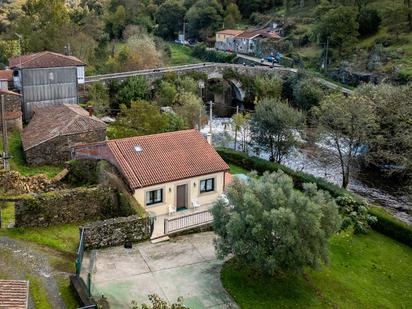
<point>79,254</point>
<point>187,221</point>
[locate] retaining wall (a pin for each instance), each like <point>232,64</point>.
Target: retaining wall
<point>116,231</point>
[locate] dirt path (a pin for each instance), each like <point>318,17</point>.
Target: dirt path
<point>19,259</point>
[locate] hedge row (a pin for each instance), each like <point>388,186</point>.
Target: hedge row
<point>386,224</point>
<point>392,227</point>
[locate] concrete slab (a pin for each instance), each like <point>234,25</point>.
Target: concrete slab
<point>169,255</point>
<point>109,266</point>
<point>186,266</point>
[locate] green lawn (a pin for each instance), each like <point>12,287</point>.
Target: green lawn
<point>366,271</point>
<point>181,55</point>
<point>18,161</point>
<point>64,238</point>
<point>236,169</point>
<point>7,214</point>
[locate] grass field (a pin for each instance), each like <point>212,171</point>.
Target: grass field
<point>236,169</point>
<point>18,161</point>
<point>181,55</point>
<point>366,271</point>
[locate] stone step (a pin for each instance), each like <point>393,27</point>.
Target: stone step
<point>159,239</point>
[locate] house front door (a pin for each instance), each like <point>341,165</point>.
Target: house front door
<point>181,193</point>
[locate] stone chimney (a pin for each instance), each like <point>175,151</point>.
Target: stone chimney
<point>209,138</point>
<point>90,110</point>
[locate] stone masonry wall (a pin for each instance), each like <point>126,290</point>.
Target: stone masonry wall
<point>58,150</point>
<point>13,113</point>
<point>66,206</point>
<point>117,231</point>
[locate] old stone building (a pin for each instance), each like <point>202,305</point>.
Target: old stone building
<point>53,131</point>
<point>12,105</point>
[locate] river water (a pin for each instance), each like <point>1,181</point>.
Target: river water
<point>309,161</point>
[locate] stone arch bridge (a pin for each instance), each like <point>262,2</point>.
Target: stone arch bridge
<point>213,71</point>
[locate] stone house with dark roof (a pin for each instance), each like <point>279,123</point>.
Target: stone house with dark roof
<point>165,172</point>
<point>53,131</point>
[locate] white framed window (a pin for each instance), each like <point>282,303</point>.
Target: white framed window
<point>207,185</point>
<point>154,197</point>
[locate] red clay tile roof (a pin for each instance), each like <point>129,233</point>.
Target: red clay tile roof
<point>165,157</point>
<point>265,32</point>
<point>66,119</point>
<point>44,59</point>
<point>14,294</point>
<point>6,74</point>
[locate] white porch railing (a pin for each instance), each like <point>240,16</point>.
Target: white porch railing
<point>181,223</point>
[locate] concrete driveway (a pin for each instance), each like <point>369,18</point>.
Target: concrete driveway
<point>185,266</point>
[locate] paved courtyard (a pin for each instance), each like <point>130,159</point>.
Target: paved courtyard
<point>185,266</point>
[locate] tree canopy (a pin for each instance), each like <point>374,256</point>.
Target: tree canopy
<point>273,227</point>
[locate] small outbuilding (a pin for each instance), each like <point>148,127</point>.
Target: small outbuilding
<point>54,130</point>
<point>46,79</point>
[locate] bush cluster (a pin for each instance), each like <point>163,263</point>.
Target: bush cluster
<point>353,208</point>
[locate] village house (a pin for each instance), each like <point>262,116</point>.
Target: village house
<point>251,41</point>
<point>46,79</point>
<point>54,130</point>
<point>225,39</point>
<point>165,172</point>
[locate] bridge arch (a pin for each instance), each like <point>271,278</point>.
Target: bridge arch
<point>235,84</point>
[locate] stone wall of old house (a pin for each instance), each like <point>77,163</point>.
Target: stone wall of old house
<point>59,149</point>
<point>71,205</point>
<point>117,231</point>
<point>13,113</point>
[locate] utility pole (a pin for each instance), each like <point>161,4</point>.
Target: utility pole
<point>237,113</point>
<point>327,53</point>
<point>209,135</point>
<point>5,138</point>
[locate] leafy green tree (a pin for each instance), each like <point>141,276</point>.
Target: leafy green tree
<point>347,122</point>
<point>189,107</point>
<point>268,87</point>
<point>204,18</point>
<point>169,17</point>
<point>307,93</point>
<point>274,228</point>
<point>132,89</point>
<point>98,98</point>
<point>241,124</point>
<point>369,21</point>
<point>273,125</point>
<point>166,94</point>
<point>391,141</point>
<point>232,16</point>
<point>116,22</point>
<point>340,25</point>
<point>42,24</point>
<point>141,118</point>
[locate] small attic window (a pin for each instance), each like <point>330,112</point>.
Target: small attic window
<point>138,148</point>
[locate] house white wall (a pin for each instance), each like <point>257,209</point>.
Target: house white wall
<point>169,193</point>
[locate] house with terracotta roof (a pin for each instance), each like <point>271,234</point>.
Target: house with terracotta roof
<point>165,172</point>
<point>54,130</point>
<point>46,79</point>
<point>248,42</point>
<point>225,39</point>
